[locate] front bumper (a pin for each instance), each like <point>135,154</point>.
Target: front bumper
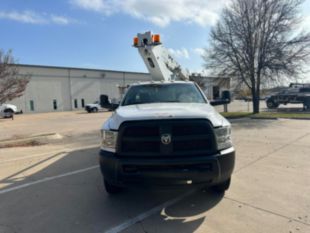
<point>210,170</point>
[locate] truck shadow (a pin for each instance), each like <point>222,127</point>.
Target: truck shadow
<point>186,215</point>
<point>58,193</point>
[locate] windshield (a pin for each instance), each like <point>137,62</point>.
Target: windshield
<point>163,93</point>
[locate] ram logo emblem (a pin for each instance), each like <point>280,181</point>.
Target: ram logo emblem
<point>166,139</point>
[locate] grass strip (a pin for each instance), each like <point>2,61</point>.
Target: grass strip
<point>262,115</point>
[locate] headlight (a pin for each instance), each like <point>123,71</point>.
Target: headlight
<point>223,137</point>
<point>108,140</point>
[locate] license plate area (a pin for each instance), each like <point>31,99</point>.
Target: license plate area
<point>179,168</point>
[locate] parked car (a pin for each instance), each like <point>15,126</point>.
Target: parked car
<point>7,110</point>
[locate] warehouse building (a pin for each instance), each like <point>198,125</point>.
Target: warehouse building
<point>66,88</point>
<point>54,88</point>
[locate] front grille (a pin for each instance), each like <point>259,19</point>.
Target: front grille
<point>188,137</point>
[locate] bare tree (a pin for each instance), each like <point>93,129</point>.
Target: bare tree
<point>258,42</point>
<point>199,79</point>
<point>12,84</point>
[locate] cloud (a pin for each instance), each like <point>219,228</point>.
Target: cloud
<point>105,6</point>
<point>25,17</point>
<point>35,18</point>
<point>305,24</point>
<point>160,12</point>
<point>199,51</point>
<point>60,20</point>
<point>179,53</point>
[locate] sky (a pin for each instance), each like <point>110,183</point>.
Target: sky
<point>99,33</point>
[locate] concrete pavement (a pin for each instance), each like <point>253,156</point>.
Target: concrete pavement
<point>58,188</point>
<point>269,192</point>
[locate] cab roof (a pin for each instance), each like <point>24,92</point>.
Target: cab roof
<point>160,82</point>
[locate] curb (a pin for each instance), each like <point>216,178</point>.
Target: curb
<point>264,118</point>
<point>298,118</point>
<point>236,117</point>
<point>277,118</point>
<point>34,140</point>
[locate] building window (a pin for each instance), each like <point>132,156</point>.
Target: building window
<point>31,105</point>
<point>55,104</point>
<point>83,103</point>
<point>75,103</point>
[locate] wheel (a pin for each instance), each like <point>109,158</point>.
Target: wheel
<point>110,188</point>
<point>271,104</point>
<point>94,109</point>
<point>222,187</point>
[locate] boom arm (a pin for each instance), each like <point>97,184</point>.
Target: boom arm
<point>157,59</point>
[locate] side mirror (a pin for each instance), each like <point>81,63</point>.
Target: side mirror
<point>226,99</point>
<point>104,100</point>
<point>113,106</point>
<point>105,103</point>
<point>226,95</point>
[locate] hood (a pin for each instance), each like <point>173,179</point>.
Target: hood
<point>164,111</point>
<point>5,106</point>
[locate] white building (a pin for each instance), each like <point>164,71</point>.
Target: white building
<point>65,88</point>
<point>213,86</point>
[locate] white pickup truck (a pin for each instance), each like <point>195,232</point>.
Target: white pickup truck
<point>165,131</point>
<point>6,110</point>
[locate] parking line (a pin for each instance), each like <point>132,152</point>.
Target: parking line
<point>48,179</point>
<point>46,154</point>
<point>2,162</point>
<point>141,217</point>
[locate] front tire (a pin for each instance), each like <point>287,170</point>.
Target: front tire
<point>307,105</point>
<point>222,187</point>
<point>271,104</point>
<point>110,188</point>
<point>95,110</point>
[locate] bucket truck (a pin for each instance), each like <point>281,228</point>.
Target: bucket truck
<point>165,132</point>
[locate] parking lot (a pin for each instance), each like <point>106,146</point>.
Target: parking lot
<point>58,187</point>
<point>247,106</point>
